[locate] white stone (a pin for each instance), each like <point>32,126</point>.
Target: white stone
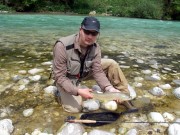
<point>122,62</point>
<point>174,129</point>
<point>92,13</point>
<point>6,127</point>
<point>36,132</point>
<point>167,116</point>
<point>100,132</point>
<point>23,81</point>
<point>155,117</point>
<point>90,105</point>
<point>139,79</point>
<point>177,120</point>
<point>132,132</point>
<point>165,86</point>
<point>16,78</point>
<point>146,72</point>
<point>132,92</point>
<point>122,130</point>
<point>71,129</point>
<point>46,63</point>
<point>166,68</point>
<point>110,105</point>
<point>22,87</point>
<point>123,66</point>
<point>50,89</point>
<point>176,92</point>
<point>155,66</point>
<point>4,132</point>
<point>155,76</point>
<point>105,57</point>
<point>177,82</point>
<point>139,61</point>
<point>156,91</point>
<point>2,115</point>
<point>137,84</point>
<point>35,71</point>
<point>136,66</point>
<point>22,72</point>
<point>35,78</point>
<point>28,112</point>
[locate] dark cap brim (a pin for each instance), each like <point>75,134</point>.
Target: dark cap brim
<point>90,28</point>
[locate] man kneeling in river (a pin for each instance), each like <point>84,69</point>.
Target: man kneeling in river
<point>78,57</point>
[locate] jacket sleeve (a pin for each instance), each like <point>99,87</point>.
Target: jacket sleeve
<point>60,69</point>
<point>98,72</point>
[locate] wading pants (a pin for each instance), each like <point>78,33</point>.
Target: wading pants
<point>71,103</point>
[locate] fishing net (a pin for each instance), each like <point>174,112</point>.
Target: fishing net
<point>102,118</point>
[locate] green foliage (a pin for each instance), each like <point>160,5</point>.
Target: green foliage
<point>5,8</point>
<point>138,8</point>
<point>124,8</point>
<point>175,8</point>
<point>37,5</point>
<point>153,9</point>
<point>148,9</point>
<point>81,6</point>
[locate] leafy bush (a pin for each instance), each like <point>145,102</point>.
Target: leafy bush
<point>138,8</point>
<point>155,9</point>
<point>5,8</point>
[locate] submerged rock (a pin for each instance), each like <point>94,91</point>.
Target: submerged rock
<point>153,77</point>
<point>132,132</point>
<point>109,105</point>
<point>100,132</point>
<point>138,79</point>
<point>96,88</point>
<point>71,129</point>
<point>177,82</point>
<point>176,92</point>
<point>35,71</point>
<point>38,132</point>
<point>146,71</point>
<point>46,63</point>
<point>156,91</point>
<point>28,112</point>
<point>137,84</point>
<point>6,127</point>
<point>168,117</point>
<point>35,77</point>
<point>132,92</point>
<point>90,105</point>
<point>174,129</point>
<point>50,89</point>
<point>155,117</point>
<point>165,86</point>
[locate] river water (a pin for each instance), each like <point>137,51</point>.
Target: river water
<point>26,41</point>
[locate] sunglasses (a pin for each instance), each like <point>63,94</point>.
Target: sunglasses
<point>93,33</point>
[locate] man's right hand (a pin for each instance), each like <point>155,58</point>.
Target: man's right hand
<point>85,93</point>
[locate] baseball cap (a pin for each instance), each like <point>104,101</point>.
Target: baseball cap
<point>90,23</point>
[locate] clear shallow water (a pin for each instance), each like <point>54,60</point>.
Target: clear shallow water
<point>26,41</point>
<point>59,25</point>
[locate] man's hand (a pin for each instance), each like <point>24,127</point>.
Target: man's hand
<point>85,93</point>
<point>112,89</point>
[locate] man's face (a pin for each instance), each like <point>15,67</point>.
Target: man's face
<point>87,37</point>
